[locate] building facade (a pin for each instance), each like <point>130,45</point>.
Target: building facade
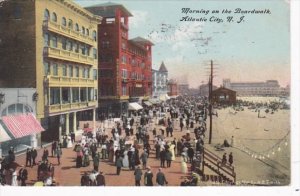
<point>160,81</point>
<point>204,90</point>
<point>51,46</point>
<point>268,88</point>
<point>124,64</point>
<point>183,89</point>
<point>172,88</point>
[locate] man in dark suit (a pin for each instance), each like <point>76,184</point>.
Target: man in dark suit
<point>23,175</point>
<point>100,179</point>
<point>33,155</point>
<point>160,178</point>
<point>28,157</point>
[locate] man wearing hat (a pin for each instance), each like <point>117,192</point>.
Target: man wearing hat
<point>23,175</point>
<point>138,175</point>
<point>160,178</point>
<point>100,179</point>
<point>148,177</point>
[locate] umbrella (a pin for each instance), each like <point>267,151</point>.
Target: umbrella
<point>87,129</point>
<point>39,183</point>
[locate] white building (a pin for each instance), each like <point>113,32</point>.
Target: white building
<point>160,81</point>
<point>268,88</point>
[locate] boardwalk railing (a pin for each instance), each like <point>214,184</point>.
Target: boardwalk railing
<point>213,162</point>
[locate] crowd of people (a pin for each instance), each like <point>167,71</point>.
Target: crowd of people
<point>148,133</point>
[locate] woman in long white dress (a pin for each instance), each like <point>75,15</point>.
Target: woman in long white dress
<point>183,165</point>
<point>172,150</point>
<point>69,144</point>
<point>14,181</point>
<point>125,159</point>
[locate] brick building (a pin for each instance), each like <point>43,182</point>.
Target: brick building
<point>124,64</point>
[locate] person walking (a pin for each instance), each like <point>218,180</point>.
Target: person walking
<point>144,158</point>
<point>162,155</point>
<point>96,161</point>
<point>160,178</point>
<point>14,180</point>
<point>53,148</point>
<point>119,164</point>
<point>138,176</point>
<point>58,154</point>
<point>224,159</point>
<point>28,157</point>
<point>168,158</point>
<point>190,153</point>
<point>230,158</point>
<point>148,177</point>
<point>45,154</point>
<point>33,155</point>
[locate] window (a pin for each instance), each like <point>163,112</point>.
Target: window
<point>64,21</point>
<point>88,70</point>
<point>95,35</point>
<point>90,94</point>
<point>70,24</point>
<point>69,45</point>
<point>64,43</point>
<point>124,59</point>
<point>83,30</point>
<point>83,72</point>
<point>55,69</point>
<point>96,94</point>
<point>17,12</point>
<point>105,44</point>
<point>124,73</point>
<point>54,96</point>
<point>75,95</point>
<point>54,17</point>
<point>106,73</point>
<point>76,46</point>
<point>87,32</point>
<point>95,53</point>
<point>46,14</point>
<point>83,94</point>
<point>64,70</point>
<point>70,71</point>
<point>77,72</point>
<point>54,41</point>
<point>46,39</point>
<point>76,27</point>
<point>66,95</point>
<point>124,90</point>
<point>46,68</point>
<point>83,49</point>
<point>123,46</point>
<point>95,74</point>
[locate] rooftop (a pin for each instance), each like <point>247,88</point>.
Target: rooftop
<point>141,40</point>
<point>163,68</point>
<point>108,10</point>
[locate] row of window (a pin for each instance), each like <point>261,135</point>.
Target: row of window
<point>66,95</point>
<point>132,62</point>
<point>68,70</point>
<point>69,24</point>
<point>68,44</point>
<point>125,74</point>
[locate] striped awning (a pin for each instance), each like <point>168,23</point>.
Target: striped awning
<point>22,125</point>
<point>134,106</point>
<point>3,135</point>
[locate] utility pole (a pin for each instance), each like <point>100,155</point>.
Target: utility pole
<point>210,100</point>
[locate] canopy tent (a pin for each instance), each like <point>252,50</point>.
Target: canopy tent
<point>22,125</point>
<point>3,135</point>
<point>134,106</point>
<point>164,97</point>
<point>147,103</point>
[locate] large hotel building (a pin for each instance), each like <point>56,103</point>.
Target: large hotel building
<point>51,46</point>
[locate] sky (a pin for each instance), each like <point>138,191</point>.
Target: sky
<point>256,49</point>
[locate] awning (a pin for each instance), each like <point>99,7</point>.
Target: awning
<point>3,135</point>
<point>154,101</point>
<point>22,125</point>
<point>134,106</point>
<point>164,97</point>
<point>147,103</point>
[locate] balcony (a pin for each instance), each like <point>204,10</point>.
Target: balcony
<point>72,82</point>
<point>68,56</point>
<point>71,106</point>
<point>65,31</point>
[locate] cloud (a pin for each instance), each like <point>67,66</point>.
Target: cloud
<point>139,17</point>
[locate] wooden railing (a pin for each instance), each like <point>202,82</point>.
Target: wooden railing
<point>214,162</point>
